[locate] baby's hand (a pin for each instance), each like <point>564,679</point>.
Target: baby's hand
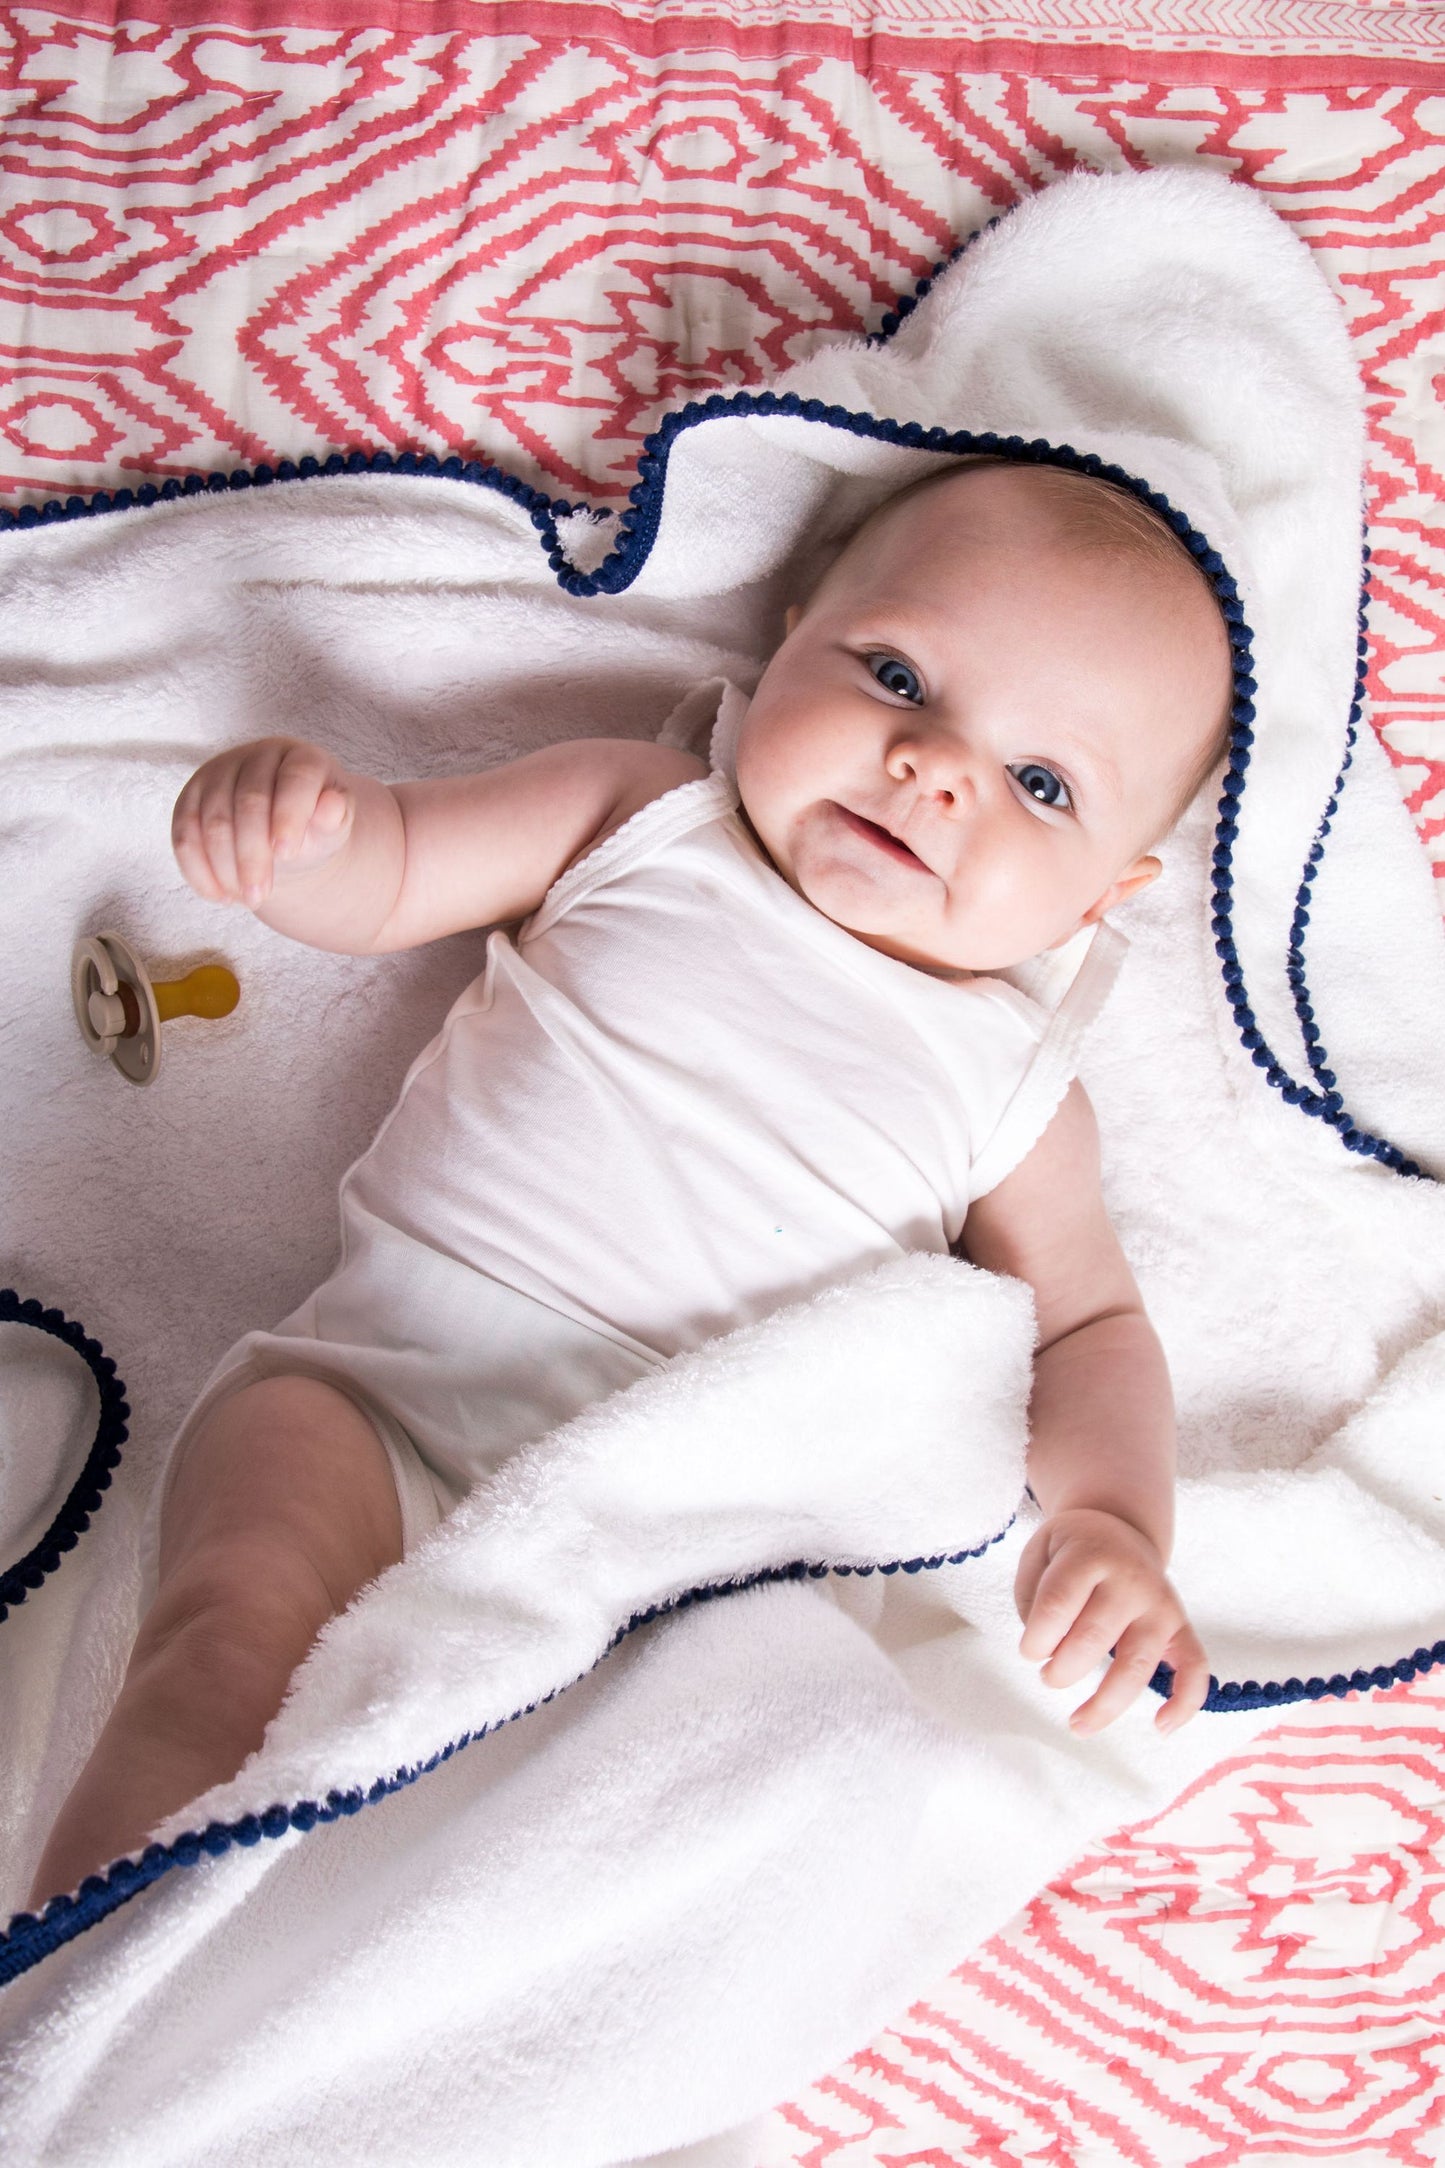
<point>1089,1582</point>
<point>258,812</point>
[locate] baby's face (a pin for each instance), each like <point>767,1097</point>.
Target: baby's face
<point>967,741</point>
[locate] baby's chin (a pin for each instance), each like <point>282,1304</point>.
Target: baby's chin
<point>960,957</point>
<point>906,945</point>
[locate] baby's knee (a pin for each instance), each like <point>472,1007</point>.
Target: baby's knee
<point>235,1607</point>
<point>284,1492</point>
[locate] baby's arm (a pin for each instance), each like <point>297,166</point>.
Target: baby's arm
<point>347,863</point>
<point>1101,1451</point>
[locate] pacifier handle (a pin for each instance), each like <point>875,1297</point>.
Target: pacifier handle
<point>120,1011</point>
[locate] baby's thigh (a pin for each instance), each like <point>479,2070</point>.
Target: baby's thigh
<point>283,1498</point>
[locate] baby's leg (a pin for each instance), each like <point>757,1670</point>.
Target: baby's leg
<point>282,1506</point>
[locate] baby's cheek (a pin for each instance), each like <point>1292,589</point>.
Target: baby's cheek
<point>750,768</point>
<point>767,798</point>
<point>993,924</point>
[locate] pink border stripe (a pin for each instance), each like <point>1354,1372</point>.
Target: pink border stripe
<point>650,38</point>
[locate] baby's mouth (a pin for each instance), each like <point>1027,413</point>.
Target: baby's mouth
<point>880,836</point>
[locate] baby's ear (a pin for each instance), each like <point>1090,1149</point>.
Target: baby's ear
<point>1129,883</point>
<point>790,618</point>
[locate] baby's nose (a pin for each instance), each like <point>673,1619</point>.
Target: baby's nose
<point>945,776</point>
<point>943,769</point>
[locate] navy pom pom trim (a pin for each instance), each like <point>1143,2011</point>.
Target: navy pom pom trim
<point>31,1936</point>
<point>85,1494</point>
<point>1326,1103</point>
<point>544,510</point>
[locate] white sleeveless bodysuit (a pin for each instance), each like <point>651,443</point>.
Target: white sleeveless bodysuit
<point>677,1099</point>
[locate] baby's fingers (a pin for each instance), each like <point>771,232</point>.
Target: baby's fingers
<point>278,798</point>
<point>249,833</point>
<point>203,831</point>
<point>1055,1600</point>
<point>1137,1656</point>
<point>1094,1629</point>
<point>1192,1681</point>
<point>187,844</point>
<point>310,804</point>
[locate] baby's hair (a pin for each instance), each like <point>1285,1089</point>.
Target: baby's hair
<point>1094,512</point>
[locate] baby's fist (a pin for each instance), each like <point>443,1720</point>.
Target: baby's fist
<point>257,812</point>
<point>1090,1583</point>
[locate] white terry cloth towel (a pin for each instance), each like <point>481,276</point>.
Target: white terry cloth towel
<point>486,1888</point>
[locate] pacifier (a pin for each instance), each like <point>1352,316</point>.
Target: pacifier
<point>120,1012</point>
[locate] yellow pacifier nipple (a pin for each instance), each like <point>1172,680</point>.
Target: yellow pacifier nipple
<point>120,1011</point>
<point>209,990</point>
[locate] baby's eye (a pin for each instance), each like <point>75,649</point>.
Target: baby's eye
<point>896,677</point>
<point>1041,783</point>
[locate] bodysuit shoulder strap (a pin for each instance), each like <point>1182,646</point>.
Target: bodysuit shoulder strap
<point>644,833</point>
<point>1053,1064</point>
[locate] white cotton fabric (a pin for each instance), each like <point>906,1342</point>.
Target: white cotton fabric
<point>682,1098</point>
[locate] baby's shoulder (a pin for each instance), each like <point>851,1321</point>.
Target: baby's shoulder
<point>648,771</point>
<point>656,770</point>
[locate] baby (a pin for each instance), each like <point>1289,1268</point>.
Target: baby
<point>762,1038</point>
